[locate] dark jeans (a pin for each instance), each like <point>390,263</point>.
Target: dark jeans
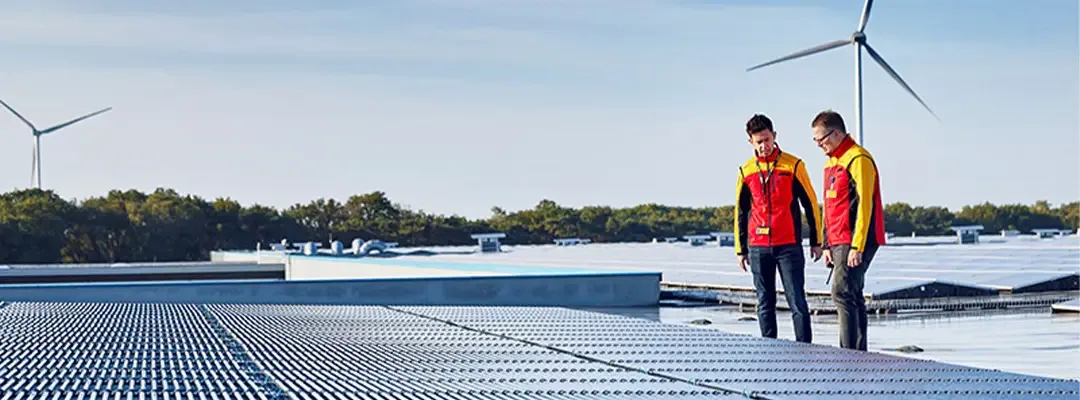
<point>847,293</point>
<point>790,261</point>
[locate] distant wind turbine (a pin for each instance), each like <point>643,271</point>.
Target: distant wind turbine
<point>859,40</point>
<point>35,164</point>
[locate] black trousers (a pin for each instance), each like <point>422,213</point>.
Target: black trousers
<point>847,293</point>
<point>790,261</point>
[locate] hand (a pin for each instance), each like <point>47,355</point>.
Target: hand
<point>815,253</point>
<point>854,258</point>
<point>827,254</point>
<point>743,262</point>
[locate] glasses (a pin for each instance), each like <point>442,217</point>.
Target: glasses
<point>818,140</point>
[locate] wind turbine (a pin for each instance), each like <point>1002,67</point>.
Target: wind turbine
<point>35,164</point>
<point>858,39</point>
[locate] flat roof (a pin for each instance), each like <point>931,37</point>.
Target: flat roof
<point>135,269</point>
<point>468,263</point>
<point>905,262</point>
<point>28,274</point>
<point>497,235</point>
<point>967,228</point>
<point>323,279</point>
<point>117,265</point>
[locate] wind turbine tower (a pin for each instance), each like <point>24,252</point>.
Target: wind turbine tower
<point>858,40</point>
<point>35,165</point>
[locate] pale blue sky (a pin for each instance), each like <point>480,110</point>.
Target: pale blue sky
<point>616,102</point>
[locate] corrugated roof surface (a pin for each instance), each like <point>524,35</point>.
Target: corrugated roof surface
<point>83,351</point>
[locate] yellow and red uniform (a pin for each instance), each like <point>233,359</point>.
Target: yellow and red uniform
<point>853,211</point>
<point>767,213</point>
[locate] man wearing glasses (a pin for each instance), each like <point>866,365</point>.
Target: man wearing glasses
<point>854,222</point>
<point>768,226</point>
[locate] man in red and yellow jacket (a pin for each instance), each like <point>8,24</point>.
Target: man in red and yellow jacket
<point>854,222</point>
<point>768,226</point>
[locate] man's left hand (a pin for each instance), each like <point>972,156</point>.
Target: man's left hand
<point>815,253</point>
<point>854,258</point>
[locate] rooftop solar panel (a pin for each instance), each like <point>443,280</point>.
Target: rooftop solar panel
<point>769,368</point>
<point>255,351</point>
<point>88,350</point>
<point>380,351</point>
<point>240,351</point>
<point>1021,281</point>
<point>894,267</point>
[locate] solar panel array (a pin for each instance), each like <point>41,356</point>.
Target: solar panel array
<point>191,351</point>
<point>337,351</point>
<point>99,351</point>
<point>998,263</point>
<point>764,368</point>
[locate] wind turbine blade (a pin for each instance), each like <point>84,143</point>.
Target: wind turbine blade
<point>24,120</point>
<point>63,125</point>
<point>897,78</point>
<point>865,15</point>
<point>804,53</point>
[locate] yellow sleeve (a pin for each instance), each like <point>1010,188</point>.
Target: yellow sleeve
<point>808,198</point>
<point>742,217</point>
<point>864,174</point>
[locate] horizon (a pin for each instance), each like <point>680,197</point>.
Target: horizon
<point>78,201</point>
<point>210,99</point>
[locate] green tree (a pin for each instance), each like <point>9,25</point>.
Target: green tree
<point>38,226</point>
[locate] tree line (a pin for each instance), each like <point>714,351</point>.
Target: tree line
<point>39,226</point>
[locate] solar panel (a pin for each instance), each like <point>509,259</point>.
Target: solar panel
<point>773,369</point>
<point>380,351</point>
<point>236,351</point>
<point>1024,260</point>
<point>1015,281</point>
<point>57,350</point>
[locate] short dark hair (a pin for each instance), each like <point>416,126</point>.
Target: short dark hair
<point>758,123</point>
<point>830,119</point>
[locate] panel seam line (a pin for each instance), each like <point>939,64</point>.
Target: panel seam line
<point>694,382</point>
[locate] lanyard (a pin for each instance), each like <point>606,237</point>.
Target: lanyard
<point>765,179</point>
